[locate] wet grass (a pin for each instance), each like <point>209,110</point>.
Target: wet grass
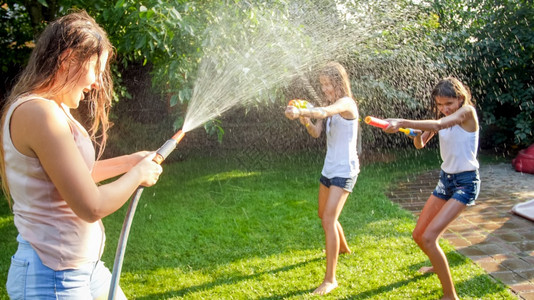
<point>247,228</point>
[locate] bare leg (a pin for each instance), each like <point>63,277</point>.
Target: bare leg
<point>432,206</point>
<point>343,246</point>
<point>323,196</point>
<point>428,241</point>
<point>331,202</point>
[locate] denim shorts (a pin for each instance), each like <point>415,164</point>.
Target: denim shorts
<point>28,278</point>
<point>463,187</point>
<point>345,183</point>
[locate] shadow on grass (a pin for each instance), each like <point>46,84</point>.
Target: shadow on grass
<point>453,257</point>
<point>288,295</point>
<point>387,288</point>
<point>464,288</point>
<point>234,280</point>
<point>478,287</point>
<point>486,286</point>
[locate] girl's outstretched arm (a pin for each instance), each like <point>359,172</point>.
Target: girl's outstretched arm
<point>346,107</point>
<point>464,116</point>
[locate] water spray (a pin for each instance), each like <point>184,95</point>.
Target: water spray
<point>161,155</point>
<point>285,43</point>
<point>384,124</point>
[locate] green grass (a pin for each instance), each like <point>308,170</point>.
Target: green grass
<point>214,228</point>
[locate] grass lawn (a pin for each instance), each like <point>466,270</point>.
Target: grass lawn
<point>216,228</point>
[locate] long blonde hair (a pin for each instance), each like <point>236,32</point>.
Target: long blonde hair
<point>71,39</point>
<point>338,77</point>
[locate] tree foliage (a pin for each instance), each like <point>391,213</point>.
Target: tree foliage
<point>492,44</point>
<point>396,56</point>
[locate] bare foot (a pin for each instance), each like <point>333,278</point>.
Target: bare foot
<point>450,298</point>
<point>344,251</point>
<point>341,251</point>
<point>426,270</point>
<point>325,288</point>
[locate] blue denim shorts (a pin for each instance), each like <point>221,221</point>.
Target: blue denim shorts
<point>28,278</point>
<point>463,187</point>
<point>345,183</point>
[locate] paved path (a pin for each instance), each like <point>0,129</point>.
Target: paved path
<point>499,241</point>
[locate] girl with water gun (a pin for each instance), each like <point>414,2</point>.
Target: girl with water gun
<point>339,119</point>
<point>456,124</point>
<point>48,167</point>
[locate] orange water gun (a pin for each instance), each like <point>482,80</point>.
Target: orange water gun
<point>384,124</point>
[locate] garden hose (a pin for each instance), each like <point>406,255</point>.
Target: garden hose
<point>161,154</point>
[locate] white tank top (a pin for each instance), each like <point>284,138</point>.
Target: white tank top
<point>458,149</point>
<point>341,153</point>
<point>61,239</point>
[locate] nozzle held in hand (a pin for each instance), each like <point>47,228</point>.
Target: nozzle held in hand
<point>298,103</point>
<point>168,147</point>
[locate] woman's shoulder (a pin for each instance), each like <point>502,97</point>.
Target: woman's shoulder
<point>350,101</point>
<point>469,108</point>
<point>39,112</point>
<point>470,111</point>
<point>36,125</point>
<point>350,108</point>
<point>470,121</point>
<point>37,106</point>
<point>346,102</point>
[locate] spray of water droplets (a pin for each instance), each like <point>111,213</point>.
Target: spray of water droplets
<point>247,57</point>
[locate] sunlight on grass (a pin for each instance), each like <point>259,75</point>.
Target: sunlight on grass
<point>228,175</point>
<point>209,230</point>
<point>6,221</point>
<point>256,275</point>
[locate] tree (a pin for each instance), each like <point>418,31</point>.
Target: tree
<point>395,49</point>
<point>492,44</point>
<point>20,24</point>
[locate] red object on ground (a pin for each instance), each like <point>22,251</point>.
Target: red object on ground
<point>524,161</point>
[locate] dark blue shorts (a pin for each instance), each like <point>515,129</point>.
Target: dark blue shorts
<point>345,183</point>
<point>463,187</point>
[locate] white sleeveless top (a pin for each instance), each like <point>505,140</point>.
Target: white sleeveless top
<point>341,153</point>
<point>61,239</point>
<point>458,149</point>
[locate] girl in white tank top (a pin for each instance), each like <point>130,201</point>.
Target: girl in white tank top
<point>459,183</point>
<point>341,165</point>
